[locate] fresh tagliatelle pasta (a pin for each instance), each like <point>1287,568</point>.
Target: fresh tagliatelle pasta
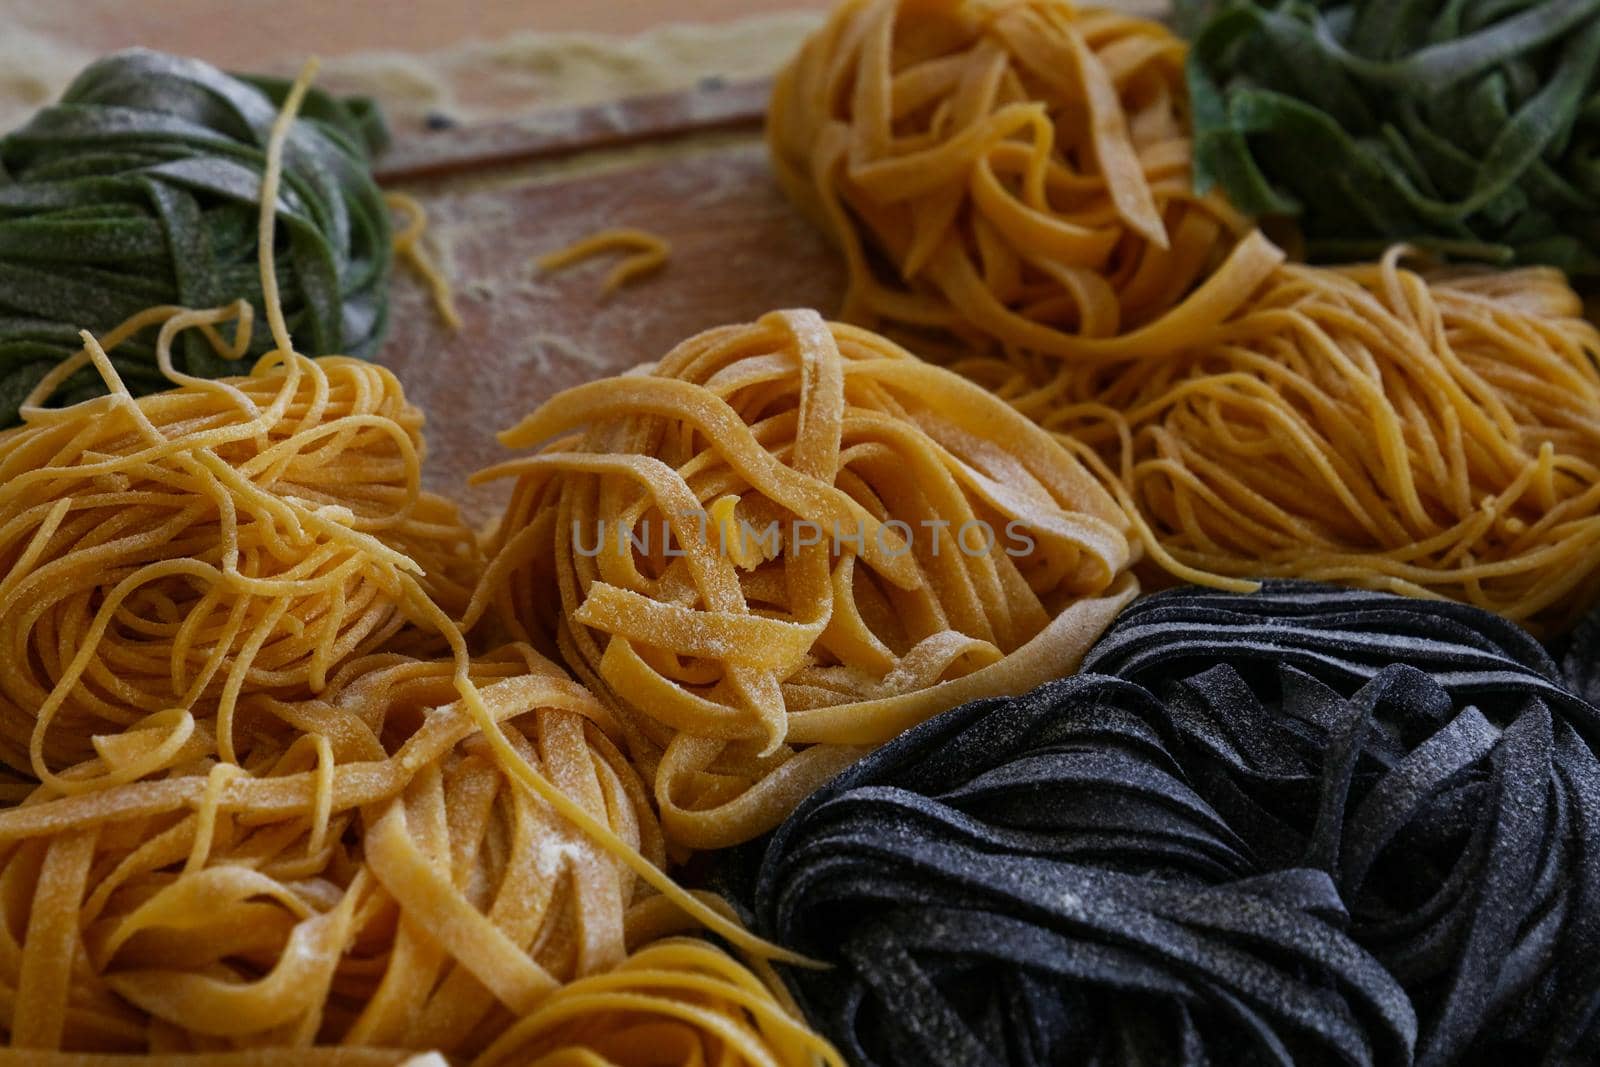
<point>368,874</point>
<point>677,1001</point>
<point>1430,434</point>
<point>1308,825</point>
<point>1465,127</point>
<point>785,543</point>
<point>1013,172</point>
<point>140,187</point>
<point>279,804</point>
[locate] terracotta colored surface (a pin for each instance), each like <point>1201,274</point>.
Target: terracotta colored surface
<point>252,33</point>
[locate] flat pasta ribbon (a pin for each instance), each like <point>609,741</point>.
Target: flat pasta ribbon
<point>1013,172</point>
<point>785,544</point>
<point>415,897</point>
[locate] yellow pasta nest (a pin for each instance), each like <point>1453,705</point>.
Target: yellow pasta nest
<point>162,557</point>
<point>284,837</point>
<point>675,1001</point>
<point>786,543</point>
<point>1014,172</point>
<point>371,876</point>
<point>1432,435</point>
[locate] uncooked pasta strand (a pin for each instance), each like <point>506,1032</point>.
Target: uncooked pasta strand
<point>807,595</point>
<point>408,246</point>
<point>650,254</point>
<point>1013,173</point>
<point>1429,434</point>
<point>226,609</point>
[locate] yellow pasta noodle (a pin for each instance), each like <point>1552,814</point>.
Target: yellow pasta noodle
<point>369,876</point>
<point>787,543</point>
<point>408,246</point>
<point>327,827</point>
<point>1013,172</point>
<point>181,550</point>
<point>1435,435</point>
<point>649,255</point>
<point>677,1001</point>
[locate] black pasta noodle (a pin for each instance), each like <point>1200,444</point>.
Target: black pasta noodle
<point>1343,637</point>
<point>1581,662</point>
<point>140,188</point>
<point>1311,825</point>
<point>1426,754</point>
<point>1031,881</point>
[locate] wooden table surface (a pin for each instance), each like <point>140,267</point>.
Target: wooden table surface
<point>248,33</point>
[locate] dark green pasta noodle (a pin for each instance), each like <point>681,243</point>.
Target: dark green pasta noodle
<point>1468,126</point>
<point>140,188</point>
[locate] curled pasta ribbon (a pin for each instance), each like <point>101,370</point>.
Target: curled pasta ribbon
<point>373,878</point>
<point>185,549</point>
<point>1433,435</point>
<point>1014,172</point>
<point>674,1001</point>
<point>788,543</point>
<point>650,254</point>
<point>377,849</point>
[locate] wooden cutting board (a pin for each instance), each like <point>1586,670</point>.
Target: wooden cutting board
<point>690,167</point>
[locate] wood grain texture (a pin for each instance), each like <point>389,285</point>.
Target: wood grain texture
<point>738,250</point>
<point>550,134</point>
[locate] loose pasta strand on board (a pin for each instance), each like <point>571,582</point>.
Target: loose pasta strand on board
<point>408,246</point>
<point>650,254</point>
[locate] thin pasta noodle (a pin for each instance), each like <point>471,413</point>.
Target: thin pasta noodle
<point>650,254</point>
<point>750,553</point>
<point>1012,172</point>
<point>182,549</point>
<point>1428,434</point>
<point>408,246</point>
<point>345,842</point>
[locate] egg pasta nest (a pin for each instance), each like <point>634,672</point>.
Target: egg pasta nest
<point>784,544</point>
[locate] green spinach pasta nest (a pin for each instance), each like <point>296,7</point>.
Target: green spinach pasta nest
<point>1471,127</point>
<point>140,188</point>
